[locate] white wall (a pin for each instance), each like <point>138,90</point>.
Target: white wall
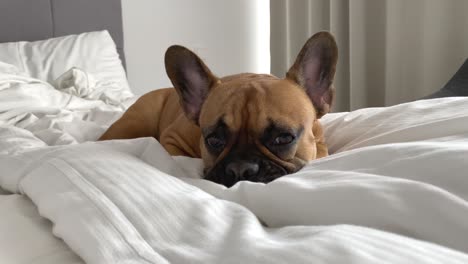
<point>231,37</point>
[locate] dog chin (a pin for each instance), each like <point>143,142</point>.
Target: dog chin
<point>268,172</point>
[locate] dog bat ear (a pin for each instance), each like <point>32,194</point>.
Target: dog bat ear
<point>191,78</point>
<point>314,70</point>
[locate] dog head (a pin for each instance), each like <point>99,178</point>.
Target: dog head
<point>256,127</point>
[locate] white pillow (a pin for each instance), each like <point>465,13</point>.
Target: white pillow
<point>94,52</point>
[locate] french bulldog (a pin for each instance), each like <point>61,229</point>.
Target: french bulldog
<point>254,127</point>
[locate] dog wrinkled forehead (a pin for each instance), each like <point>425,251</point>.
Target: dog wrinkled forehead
<point>252,101</point>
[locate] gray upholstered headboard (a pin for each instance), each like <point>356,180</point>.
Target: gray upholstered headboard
<point>31,20</point>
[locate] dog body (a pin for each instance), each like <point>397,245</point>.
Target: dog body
<point>158,114</point>
<point>254,127</point>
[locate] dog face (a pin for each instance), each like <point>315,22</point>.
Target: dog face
<point>256,127</point>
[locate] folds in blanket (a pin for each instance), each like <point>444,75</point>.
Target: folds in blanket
<point>82,84</point>
<point>119,200</point>
<point>428,120</point>
<point>109,206</point>
<point>400,188</point>
<point>76,91</point>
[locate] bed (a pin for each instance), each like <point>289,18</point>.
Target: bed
<point>394,190</point>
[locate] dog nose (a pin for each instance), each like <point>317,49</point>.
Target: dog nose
<point>242,170</point>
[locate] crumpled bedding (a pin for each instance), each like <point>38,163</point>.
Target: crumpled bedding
<point>84,85</point>
<point>394,190</point>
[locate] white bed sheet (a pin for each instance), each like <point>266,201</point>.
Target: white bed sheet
<point>395,190</point>
<point>26,237</point>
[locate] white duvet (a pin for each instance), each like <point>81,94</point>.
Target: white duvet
<point>395,190</point>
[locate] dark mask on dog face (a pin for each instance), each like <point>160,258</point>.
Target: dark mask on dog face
<point>256,127</point>
<point>253,156</point>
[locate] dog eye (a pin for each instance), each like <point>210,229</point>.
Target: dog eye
<point>283,139</point>
<point>215,142</point>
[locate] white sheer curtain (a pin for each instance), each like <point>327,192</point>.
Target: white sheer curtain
<point>391,51</point>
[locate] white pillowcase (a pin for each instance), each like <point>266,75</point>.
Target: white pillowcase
<point>94,52</point>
